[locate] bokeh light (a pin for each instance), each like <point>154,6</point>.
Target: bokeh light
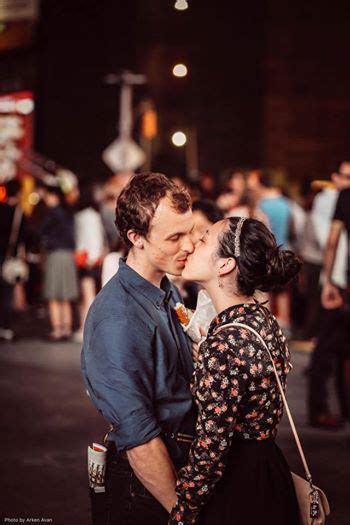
<point>181,5</point>
<point>179,139</point>
<point>180,70</point>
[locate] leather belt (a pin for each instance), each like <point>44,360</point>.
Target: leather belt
<point>180,437</point>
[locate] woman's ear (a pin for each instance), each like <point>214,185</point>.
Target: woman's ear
<point>135,238</point>
<point>226,266</point>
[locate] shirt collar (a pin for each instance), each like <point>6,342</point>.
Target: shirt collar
<point>232,313</point>
<point>130,277</point>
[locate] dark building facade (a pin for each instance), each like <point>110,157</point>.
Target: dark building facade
<point>267,83</point>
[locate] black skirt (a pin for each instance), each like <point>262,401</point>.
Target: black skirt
<point>256,488</point>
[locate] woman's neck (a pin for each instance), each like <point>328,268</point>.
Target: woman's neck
<point>222,299</point>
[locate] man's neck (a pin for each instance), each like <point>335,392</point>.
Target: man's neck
<point>143,268</point>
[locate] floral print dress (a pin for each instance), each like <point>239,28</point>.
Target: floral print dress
<point>237,395</point>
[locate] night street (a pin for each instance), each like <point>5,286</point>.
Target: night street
<point>48,421</point>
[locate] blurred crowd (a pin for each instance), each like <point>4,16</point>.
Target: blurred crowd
<point>59,254</point>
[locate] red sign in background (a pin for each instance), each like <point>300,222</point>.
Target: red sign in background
<point>16,132</point>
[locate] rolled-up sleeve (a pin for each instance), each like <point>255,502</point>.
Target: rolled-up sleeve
<point>119,372</point>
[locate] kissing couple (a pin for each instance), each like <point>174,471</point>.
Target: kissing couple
<point>191,441</point>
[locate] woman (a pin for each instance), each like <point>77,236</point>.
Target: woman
<point>235,469</point>
<point>60,279</point>
<point>90,250</point>
<point>245,204</point>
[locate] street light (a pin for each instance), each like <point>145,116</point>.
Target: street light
<point>179,139</point>
<point>180,70</point>
<point>181,5</point>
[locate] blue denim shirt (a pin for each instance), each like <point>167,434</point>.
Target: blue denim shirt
<point>136,359</point>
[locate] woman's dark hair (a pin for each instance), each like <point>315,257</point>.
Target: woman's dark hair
<point>86,198</point>
<point>55,190</point>
<point>262,264</point>
<point>209,209</point>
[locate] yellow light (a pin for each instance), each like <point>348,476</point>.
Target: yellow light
<point>179,139</point>
<point>180,70</point>
<point>181,5</point>
<point>33,198</point>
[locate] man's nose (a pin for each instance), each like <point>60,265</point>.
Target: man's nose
<point>188,245</point>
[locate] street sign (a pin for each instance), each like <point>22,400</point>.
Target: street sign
<point>123,155</point>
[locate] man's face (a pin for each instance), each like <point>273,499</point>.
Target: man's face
<point>169,239</point>
<point>342,178</point>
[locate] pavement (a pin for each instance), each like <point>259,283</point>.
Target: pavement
<point>47,421</point>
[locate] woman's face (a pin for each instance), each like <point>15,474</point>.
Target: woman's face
<point>237,183</point>
<point>202,264</point>
<point>201,224</point>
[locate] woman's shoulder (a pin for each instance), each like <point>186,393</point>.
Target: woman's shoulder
<point>241,333</point>
<point>230,341</point>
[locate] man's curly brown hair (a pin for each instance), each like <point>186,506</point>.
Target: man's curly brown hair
<point>139,200</point>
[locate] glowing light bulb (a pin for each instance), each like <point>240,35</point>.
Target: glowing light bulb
<point>181,5</point>
<point>180,70</point>
<point>179,139</point>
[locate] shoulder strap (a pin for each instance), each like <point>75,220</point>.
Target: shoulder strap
<point>16,223</point>
<point>290,418</point>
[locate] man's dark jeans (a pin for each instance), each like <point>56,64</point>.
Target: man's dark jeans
<point>6,297</point>
<point>126,501</point>
<point>330,353</point>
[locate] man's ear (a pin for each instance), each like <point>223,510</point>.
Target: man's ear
<point>135,238</point>
<point>226,266</point>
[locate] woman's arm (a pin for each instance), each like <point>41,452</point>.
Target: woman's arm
<point>221,381</point>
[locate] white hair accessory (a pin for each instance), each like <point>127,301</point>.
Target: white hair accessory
<point>237,251</point>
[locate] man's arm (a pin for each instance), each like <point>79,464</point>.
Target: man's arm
<point>154,468</point>
<point>118,369</point>
<point>331,297</point>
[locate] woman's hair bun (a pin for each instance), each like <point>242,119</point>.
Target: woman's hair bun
<point>281,267</point>
<point>262,264</point>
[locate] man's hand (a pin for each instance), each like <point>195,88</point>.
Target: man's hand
<point>154,468</point>
<point>331,297</point>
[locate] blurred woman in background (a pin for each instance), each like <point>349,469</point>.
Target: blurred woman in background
<point>90,250</point>
<point>60,274</point>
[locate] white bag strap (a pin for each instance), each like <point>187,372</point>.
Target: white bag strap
<point>294,430</point>
<point>16,223</point>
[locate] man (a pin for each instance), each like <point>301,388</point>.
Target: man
<point>332,298</point>
<point>278,211</point>
<point>9,248</point>
<point>136,360</point>
<point>331,338</point>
